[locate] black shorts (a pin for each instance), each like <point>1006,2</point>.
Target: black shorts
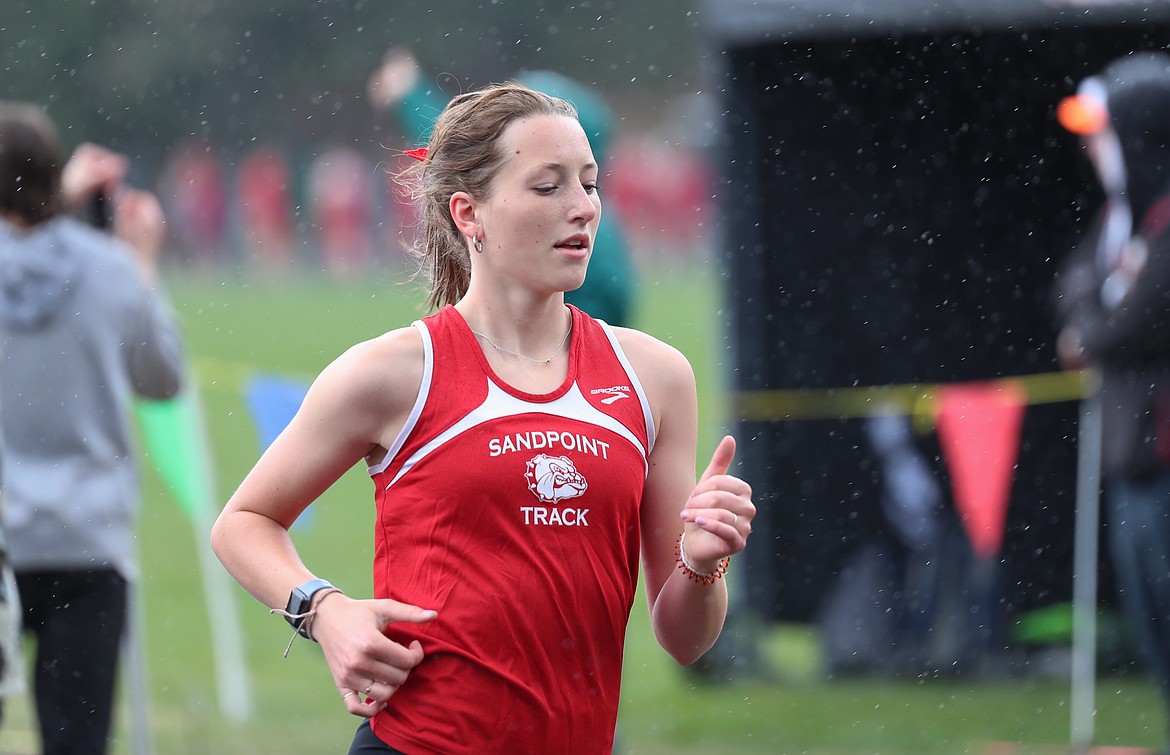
<point>366,743</point>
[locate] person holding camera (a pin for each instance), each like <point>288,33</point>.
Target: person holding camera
<point>84,328</point>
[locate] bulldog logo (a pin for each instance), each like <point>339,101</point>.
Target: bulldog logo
<point>554,478</point>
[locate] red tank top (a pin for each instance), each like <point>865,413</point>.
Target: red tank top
<point>515,516</point>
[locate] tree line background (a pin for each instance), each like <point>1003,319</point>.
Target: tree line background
<point>139,75</point>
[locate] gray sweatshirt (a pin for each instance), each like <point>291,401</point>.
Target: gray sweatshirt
<point>81,334</point>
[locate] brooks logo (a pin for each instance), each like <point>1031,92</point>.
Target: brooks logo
<point>616,393</point>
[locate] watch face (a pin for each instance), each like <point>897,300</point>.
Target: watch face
<point>300,600</point>
<point>296,606</point>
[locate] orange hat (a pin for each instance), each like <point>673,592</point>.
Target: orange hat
<point>1082,114</point>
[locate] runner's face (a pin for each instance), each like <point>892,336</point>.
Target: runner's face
<point>540,218</point>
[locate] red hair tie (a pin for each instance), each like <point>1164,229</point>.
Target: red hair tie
<point>419,154</point>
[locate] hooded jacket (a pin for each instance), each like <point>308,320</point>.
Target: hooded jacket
<point>1127,336</point>
<point>81,333</point>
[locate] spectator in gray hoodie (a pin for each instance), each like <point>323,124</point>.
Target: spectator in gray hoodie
<point>84,328</point>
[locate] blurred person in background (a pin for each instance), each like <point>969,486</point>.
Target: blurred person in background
<point>664,188</point>
<point>1113,301</point>
<point>264,188</point>
<point>194,192</point>
<point>342,197</point>
<point>399,85</point>
<point>84,328</point>
<point>523,455</point>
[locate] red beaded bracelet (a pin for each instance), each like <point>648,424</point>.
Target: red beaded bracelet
<point>697,576</point>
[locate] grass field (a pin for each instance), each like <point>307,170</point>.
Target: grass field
<point>294,328</point>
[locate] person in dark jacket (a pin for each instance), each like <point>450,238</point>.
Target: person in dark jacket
<point>1113,302</point>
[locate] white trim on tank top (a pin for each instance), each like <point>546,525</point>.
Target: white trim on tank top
<point>424,390</point>
<point>621,355</point>
<point>499,404</point>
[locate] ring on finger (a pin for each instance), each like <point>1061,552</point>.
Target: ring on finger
<point>734,519</point>
<point>347,695</point>
<point>366,691</point>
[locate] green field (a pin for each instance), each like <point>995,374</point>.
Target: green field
<point>296,326</point>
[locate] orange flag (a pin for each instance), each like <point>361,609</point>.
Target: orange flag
<point>979,431</point>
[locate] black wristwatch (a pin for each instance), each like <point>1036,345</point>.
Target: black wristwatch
<point>300,600</point>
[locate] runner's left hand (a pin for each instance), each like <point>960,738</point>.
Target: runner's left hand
<point>719,511</point>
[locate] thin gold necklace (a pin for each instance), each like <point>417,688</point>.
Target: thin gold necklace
<point>522,356</point>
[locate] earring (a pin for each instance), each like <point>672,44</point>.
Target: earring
<point>478,242</point>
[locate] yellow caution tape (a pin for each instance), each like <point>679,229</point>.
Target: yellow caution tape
<point>913,399</point>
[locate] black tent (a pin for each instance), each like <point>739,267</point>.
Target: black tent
<point>895,198</point>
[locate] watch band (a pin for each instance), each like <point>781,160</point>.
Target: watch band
<point>300,601</point>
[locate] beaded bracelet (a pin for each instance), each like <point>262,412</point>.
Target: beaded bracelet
<point>697,576</point>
